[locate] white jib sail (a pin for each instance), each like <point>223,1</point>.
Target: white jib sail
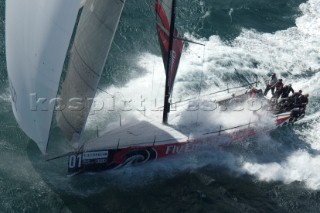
<point>38,33</point>
<point>94,36</point>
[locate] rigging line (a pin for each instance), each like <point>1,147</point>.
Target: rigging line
<point>80,150</point>
<point>187,40</point>
<point>57,157</point>
<point>152,75</point>
<point>154,57</point>
<point>191,52</point>
<point>213,93</point>
<point>134,108</point>
<point>201,81</point>
<point>246,80</point>
<point>105,91</point>
<point>223,130</point>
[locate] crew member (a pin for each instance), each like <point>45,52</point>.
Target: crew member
<point>303,101</point>
<point>286,91</point>
<point>296,95</point>
<point>295,114</point>
<point>255,93</point>
<point>271,84</point>
<point>279,87</point>
<point>292,100</point>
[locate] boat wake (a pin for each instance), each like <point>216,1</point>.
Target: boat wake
<point>288,154</point>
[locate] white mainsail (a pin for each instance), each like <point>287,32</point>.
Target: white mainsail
<point>38,33</point>
<point>94,36</point>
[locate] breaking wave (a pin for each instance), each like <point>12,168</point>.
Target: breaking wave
<point>292,53</point>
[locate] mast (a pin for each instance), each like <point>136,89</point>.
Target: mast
<point>167,93</point>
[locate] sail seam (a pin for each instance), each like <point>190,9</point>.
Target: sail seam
<point>83,79</point>
<point>67,121</point>
<point>91,69</point>
<point>112,31</point>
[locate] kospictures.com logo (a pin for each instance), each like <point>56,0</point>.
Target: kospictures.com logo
<point>140,104</point>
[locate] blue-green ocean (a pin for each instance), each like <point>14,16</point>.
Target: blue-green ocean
<point>274,172</point>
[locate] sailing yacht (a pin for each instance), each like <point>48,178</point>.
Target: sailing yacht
<point>35,60</point>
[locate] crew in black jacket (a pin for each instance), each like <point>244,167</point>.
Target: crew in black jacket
<point>286,91</point>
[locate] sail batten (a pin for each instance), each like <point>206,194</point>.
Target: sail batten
<point>37,38</point>
<point>93,39</point>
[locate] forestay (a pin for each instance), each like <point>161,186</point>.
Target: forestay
<point>94,35</point>
<point>38,33</point>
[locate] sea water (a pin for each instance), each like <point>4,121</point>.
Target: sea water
<point>273,172</point>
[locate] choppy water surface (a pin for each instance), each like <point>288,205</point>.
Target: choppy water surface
<point>273,172</point>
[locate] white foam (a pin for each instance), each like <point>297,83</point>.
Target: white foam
<point>299,166</point>
<point>292,51</point>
